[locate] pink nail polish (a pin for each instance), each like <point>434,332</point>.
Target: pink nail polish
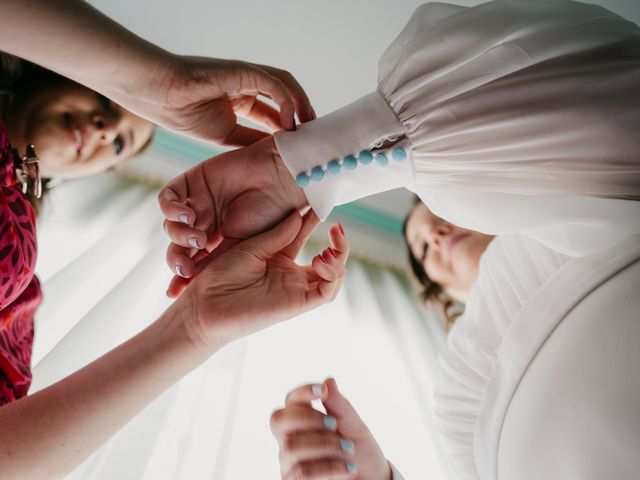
<point>341,229</point>
<point>321,258</point>
<point>333,252</point>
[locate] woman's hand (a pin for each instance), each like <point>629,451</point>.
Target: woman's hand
<point>202,98</point>
<point>233,196</point>
<point>257,283</point>
<point>315,446</point>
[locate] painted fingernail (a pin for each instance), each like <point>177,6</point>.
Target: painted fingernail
<point>341,229</point>
<point>351,467</point>
<point>316,389</point>
<point>321,257</point>
<point>333,252</point>
<point>330,422</point>
<point>179,270</point>
<point>184,218</point>
<point>347,446</point>
<point>193,241</point>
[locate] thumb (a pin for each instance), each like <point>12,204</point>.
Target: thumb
<point>348,420</point>
<point>272,241</point>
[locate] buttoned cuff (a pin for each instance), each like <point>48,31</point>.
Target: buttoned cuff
<point>339,158</point>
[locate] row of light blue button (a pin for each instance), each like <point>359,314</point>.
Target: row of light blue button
<point>350,162</point>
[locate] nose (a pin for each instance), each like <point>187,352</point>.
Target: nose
<point>107,127</point>
<point>437,233</point>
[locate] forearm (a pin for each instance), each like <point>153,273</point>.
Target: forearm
<point>76,40</point>
<point>49,433</point>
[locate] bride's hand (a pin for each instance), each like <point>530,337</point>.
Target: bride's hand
<point>257,282</point>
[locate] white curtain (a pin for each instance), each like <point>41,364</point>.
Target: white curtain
<point>104,277</point>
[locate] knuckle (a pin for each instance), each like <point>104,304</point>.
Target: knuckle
<point>276,419</point>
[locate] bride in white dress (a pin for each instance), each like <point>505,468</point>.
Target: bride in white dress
<point>518,119</point>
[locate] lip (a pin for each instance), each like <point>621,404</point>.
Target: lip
<point>77,133</point>
<point>455,239</point>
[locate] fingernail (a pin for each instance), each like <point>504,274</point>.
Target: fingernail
<point>347,446</point>
<point>193,241</point>
<point>351,467</point>
<point>184,218</point>
<point>333,252</point>
<point>321,258</point>
<point>330,422</point>
<point>316,389</point>
<point>341,229</point>
<point>179,270</point>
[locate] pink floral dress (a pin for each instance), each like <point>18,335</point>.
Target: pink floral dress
<point>20,292</point>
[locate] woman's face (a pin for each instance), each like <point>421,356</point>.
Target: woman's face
<point>450,255</point>
<point>75,131</point>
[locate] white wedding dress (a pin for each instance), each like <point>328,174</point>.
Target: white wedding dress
<point>519,119</point>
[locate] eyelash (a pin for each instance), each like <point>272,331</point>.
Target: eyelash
<point>107,104</point>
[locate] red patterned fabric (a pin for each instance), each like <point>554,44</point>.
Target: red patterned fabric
<point>20,292</point>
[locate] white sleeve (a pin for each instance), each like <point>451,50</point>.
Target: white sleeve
<point>339,158</point>
<point>500,123</point>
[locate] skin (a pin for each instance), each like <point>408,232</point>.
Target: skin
<point>250,287</point>
<point>76,131</point>
<point>449,254</point>
<point>309,450</point>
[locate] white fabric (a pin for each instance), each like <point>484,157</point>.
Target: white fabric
<point>521,117</point>
<point>511,270</point>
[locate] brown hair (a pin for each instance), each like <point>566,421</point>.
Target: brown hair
<point>431,292</point>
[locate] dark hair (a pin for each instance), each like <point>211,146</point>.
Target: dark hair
<point>431,291</point>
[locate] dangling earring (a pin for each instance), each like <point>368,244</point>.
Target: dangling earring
<point>27,171</point>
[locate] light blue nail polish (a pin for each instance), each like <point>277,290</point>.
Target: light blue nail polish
<point>347,446</point>
<point>184,218</point>
<point>330,422</point>
<point>316,389</point>
<point>193,241</point>
<point>351,467</point>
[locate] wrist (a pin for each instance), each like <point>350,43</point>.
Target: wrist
<point>287,183</point>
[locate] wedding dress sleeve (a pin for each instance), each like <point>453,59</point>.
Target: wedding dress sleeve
<point>507,117</point>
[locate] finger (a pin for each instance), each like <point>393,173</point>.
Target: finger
<point>185,236</point>
<point>325,469</point>
<point>303,107</point>
<point>242,136</point>
<point>272,87</point>
<point>298,418</point>
<point>315,445</point>
<point>179,260</point>
<point>177,286</point>
<point>304,394</point>
<point>322,292</point>
<point>172,200</point>
<point>339,242</point>
<point>327,265</point>
<point>309,222</point>
<point>341,408</point>
<point>273,241</point>
<point>265,115</point>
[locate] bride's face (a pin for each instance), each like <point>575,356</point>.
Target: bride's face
<point>450,255</point>
<point>75,131</point>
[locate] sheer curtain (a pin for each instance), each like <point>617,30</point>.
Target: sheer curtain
<point>104,277</point>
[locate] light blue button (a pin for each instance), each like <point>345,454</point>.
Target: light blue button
<point>350,162</point>
<point>302,179</point>
<point>365,157</point>
<point>382,160</point>
<point>333,167</point>
<point>317,174</point>
<point>399,154</point>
